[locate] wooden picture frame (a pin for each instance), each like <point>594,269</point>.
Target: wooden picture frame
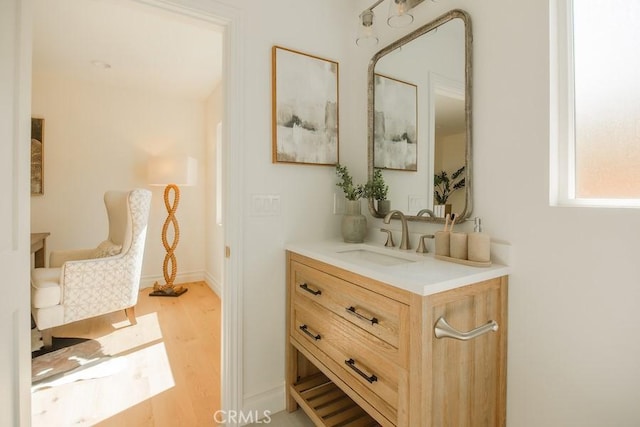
<point>305,125</point>
<point>37,156</point>
<point>396,124</point>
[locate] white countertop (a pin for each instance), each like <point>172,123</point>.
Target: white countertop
<point>421,274</point>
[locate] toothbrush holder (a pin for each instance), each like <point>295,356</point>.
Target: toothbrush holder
<point>458,245</point>
<point>442,243</point>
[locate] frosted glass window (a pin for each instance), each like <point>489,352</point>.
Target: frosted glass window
<point>606,54</point>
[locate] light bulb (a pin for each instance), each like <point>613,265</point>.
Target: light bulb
<point>366,32</point>
<point>398,14</point>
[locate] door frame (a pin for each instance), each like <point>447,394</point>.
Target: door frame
<point>232,20</point>
<point>15,131</point>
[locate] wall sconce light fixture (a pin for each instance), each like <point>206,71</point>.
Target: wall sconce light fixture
<point>367,36</point>
<point>399,16</point>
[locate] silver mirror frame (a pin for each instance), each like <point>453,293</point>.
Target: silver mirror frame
<point>453,14</point>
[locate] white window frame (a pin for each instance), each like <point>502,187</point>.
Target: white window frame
<point>562,114</point>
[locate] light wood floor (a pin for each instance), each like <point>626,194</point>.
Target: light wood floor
<point>165,371</point>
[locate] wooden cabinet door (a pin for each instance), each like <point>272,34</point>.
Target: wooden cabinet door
<point>469,377</point>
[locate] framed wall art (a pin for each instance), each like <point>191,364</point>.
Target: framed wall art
<point>37,156</point>
<point>304,108</point>
<point>396,129</point>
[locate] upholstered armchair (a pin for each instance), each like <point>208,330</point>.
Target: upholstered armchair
<point>79,284</point>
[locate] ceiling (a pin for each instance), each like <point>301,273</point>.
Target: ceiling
<point>147,48</point>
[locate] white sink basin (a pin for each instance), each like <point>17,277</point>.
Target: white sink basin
<point>378,257</point>
<point>421,274</point>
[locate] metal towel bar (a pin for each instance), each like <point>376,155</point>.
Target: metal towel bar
<point>442,329</point>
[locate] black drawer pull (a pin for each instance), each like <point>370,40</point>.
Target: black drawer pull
<point>311,291</point>
<point>305,329</point>
<point>352,364</point>
<point>353,311</point>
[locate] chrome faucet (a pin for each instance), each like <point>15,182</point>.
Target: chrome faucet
<point>404,241</point>
<point>426,211</point>
<point>422,246</point>
<point>389,243</point>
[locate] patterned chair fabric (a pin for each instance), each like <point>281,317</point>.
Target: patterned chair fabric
<point>76,286</point>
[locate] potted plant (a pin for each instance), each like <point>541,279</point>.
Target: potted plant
<point>351,191</point>
<point>378,190</point>
<point>354,224</point>
<point>444,187</point>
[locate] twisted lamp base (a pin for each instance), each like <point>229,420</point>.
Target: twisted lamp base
<point>168,289</point>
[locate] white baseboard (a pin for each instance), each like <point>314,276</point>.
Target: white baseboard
<point>266,402</point>
<point>213,283</point>
<point>192,276</point>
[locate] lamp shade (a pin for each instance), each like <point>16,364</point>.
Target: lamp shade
<point>178,170</point>
<point>366,31</point>
<point>399,15</point>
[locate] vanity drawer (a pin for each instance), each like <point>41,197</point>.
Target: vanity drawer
<point>377,314</point>
<point>362,360</point>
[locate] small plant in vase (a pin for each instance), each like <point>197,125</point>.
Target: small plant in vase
<point>444,187</point>
<point>354,224</point>
<point>351,192</point>
<point>377,189</point>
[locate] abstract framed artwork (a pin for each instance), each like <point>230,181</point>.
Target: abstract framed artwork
<point>304,108</point>
<point>396,128</point>
<point>37,156</point>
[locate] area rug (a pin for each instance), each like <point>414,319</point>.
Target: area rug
<point>37,346</point>
<point>82,361</point>
<point>57,343</point>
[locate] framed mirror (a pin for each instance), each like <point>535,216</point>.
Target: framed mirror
<point>419,120</point>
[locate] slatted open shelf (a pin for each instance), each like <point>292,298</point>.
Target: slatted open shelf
<point>327,405</point>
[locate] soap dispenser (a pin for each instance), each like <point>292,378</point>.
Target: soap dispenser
<point>479,244</point>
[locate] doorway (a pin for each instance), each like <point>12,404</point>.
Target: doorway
<point>230,267</point>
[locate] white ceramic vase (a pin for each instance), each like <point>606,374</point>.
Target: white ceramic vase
<point>354,224</point>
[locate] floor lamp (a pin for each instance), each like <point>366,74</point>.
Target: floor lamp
<point>171,172</point>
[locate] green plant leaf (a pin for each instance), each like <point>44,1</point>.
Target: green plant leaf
<point>351,191</point>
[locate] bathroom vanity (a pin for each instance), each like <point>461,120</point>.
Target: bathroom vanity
<point>380,336</point>
<point>374,336</point>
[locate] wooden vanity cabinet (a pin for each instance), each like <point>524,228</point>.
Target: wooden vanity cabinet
<point>364,351</point>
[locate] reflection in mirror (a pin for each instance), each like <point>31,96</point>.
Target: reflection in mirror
<point>420,119</point>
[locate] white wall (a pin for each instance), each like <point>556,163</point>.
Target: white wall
<point>98,138</point>
<point>306,191</point>
<point>574,294</point>
<point>574,297</point>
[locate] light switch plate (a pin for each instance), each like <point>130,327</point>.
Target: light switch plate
<point>416,203</point>
<point>265,204</point>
